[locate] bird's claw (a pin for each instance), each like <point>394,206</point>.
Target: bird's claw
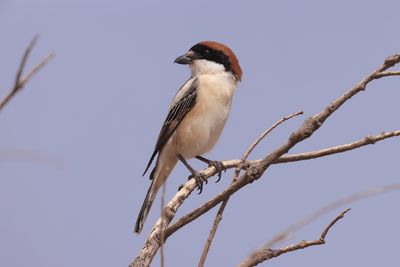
<point>219,167</point>
<point>200,179</point>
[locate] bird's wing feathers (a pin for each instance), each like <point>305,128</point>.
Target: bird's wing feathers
<point>175,116</point>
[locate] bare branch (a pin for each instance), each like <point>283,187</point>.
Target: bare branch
<point>254,171</point>
<point>264,134</point>
<point>388,73</point>
<point>368,140</point>
<point>212,233</point>
<point>24,60</point>
<point>265,254</point>
<point>21,81</point>
<point>35,69</point>
<point>221,209</point>
<point>162,254</point>
<point>331,206</point>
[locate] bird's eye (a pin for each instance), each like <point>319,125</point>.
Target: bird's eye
<point>208,51</point>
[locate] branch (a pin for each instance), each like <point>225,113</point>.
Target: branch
<point>388,73</point>
<point>368,140</point>
<point>21,81</point>
<point>212,233</point>
<point>221,209</point>
<point>265,254</point>
<point>254,171</point>
<point>180,197</point>
<point>162,254</point>
<point>264,134</point>
<point>331,206</point>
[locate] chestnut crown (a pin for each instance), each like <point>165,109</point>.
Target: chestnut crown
<point>216,52</point>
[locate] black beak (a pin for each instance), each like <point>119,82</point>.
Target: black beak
<point>184,59</point>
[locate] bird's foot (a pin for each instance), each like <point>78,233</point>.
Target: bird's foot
<point>200,179</point>
<point>219,167</point>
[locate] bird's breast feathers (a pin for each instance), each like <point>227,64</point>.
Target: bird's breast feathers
<point>203,125</point>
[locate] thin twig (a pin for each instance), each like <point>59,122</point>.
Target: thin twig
<point>388,73</point>
<point>265,254</point>
<point>331,206</point>
<point>35,69</point>
<point>260,138</point>
<point>264,134</point>
<point>162,239</point>
<point>368,140</point>
<point>24,60</point>
<point>253,172</point>
<point>212,233</point>
<point>221,209</point>
<point>20,80</point>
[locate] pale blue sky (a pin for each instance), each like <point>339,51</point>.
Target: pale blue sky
<point>74,143</point>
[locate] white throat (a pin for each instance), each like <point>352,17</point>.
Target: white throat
<point>205,66</point>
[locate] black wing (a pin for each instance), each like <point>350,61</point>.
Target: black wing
<point>174,118</point>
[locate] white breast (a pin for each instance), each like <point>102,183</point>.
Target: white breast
<point>203,125</point>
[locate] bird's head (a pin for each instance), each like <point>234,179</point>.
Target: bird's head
<point>210,57</point>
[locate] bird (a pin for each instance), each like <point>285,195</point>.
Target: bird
<point>196,117</point>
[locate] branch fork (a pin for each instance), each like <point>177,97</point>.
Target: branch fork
<point>20,81</point>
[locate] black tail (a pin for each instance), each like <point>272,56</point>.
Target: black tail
<point>144,211</point>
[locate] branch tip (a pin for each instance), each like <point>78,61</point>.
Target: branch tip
<point>339,217</point>
<point>19,80</point>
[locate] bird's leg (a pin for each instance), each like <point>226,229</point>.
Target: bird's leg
<point>199,177</point>
<point>219,167</point>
